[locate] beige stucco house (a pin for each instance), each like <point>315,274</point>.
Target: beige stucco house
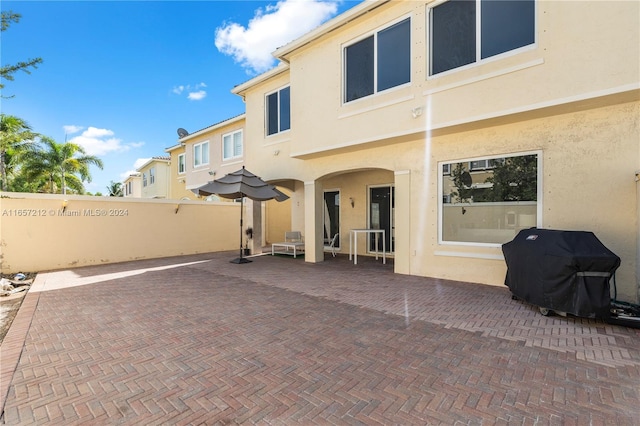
<point>155,177</point>
<point>368,117</point>
<point>132,186</point>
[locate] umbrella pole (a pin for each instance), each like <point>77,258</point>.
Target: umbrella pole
<point>241,259</point>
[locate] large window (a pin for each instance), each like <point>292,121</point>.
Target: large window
<point>232,145</point>
<point>463,32</point>
<point>279,111</point>
<point>144,179</point>
<point>152,175</point>
<point>182,166</point>
<point>201,154</point>
<point>378,62</point>
<point>489,205</point>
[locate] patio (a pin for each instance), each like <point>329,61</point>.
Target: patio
<point>198,340</point>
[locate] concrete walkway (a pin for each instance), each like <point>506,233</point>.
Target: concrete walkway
<point>197,340</point>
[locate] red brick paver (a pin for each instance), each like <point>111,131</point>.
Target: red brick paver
<point>197,340</point>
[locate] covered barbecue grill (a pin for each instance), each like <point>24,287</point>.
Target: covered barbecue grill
<point>563,271</point>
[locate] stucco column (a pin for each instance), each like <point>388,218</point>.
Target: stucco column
<point>313,208</point>
<point>254,213</point>
<point>402,260</point>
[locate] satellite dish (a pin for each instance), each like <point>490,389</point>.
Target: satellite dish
<point>466,179</point>
<point>182,132</point>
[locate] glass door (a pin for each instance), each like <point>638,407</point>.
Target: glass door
<point>331,216</point>
<point>381,216</point>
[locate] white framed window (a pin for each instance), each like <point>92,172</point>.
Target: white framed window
<point>278,110</point>
<point>378,62</point>
<point>463,32</point>
<point>484,164</point>
<point>182,164</point>
<point>152,175</point>
<point>201,154</point>
<point>144,179</point>
<point>232,145</point>
<point>489,208</point>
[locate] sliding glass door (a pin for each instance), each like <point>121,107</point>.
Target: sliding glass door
<point>381,216</point>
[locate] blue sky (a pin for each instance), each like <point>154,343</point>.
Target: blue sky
<point>119,77</point>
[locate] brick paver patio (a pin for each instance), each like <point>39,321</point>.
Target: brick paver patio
<point>198,340</point>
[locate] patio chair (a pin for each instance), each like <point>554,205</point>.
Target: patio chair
<point>332,244</point>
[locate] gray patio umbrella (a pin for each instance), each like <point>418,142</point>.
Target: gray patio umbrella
<point>240,184</point>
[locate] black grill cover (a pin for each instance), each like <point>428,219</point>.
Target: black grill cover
<point>565,271</point>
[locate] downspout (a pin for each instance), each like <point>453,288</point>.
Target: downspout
<point>637,236</point>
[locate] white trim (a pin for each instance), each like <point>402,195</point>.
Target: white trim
<point>343,19</point>
<point>378,105</point>
<point>193,151</point>
<point>374,33</point>
<point>478,48</point>
<point>469,255</point>
<point>231,134</point>
<point>358,142</point>
<point>482,77</point>
<point>539,194</point>
<point>540,105</point>
<point>266,110</point>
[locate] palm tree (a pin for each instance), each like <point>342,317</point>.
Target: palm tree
<point>115,189</point>
<point>59,165</point>
<point>15,137</point>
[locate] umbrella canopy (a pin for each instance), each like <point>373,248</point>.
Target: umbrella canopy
<point>241,183</point>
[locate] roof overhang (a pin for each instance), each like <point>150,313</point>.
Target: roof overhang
<point>210,128</point>
<point>283,53</point>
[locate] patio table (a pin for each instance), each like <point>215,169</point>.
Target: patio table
<point>353,235</point>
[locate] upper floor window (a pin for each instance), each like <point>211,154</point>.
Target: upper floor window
<point>463,32</point>
<point>378,62</point>
<point>152,175</point>
<point>232,145</point>
<point>182,166</point>
<point>201,154</point>
<point>279,111</point>
<point>144,179</point>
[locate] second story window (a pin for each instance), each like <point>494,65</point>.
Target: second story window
<point>463,32</point>
<point>182,166</point>
<point>232,145</point>
<point>378,62</point>
<point>152,175</point>
<point>144,179</point>
<point>279,111</point>
<point>201,154</point>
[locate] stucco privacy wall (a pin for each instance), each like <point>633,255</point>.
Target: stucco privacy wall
<point>36,235</point>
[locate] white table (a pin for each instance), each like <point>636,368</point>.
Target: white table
<point>353,235</point>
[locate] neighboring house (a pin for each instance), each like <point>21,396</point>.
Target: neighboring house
<point>178,174</point>
<point>132,186</point>
<point>211,152</point>
<point>155,175</point>
<point>367,116</point>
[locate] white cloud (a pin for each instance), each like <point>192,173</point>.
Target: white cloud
<point>71,129</point>
<point>196,96</point>
<point>125,175</point>
<point>136,165</point>
<point>273,27</point>
<point>194,93</point>
<point>99,142</point>
<point>139,162</point>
